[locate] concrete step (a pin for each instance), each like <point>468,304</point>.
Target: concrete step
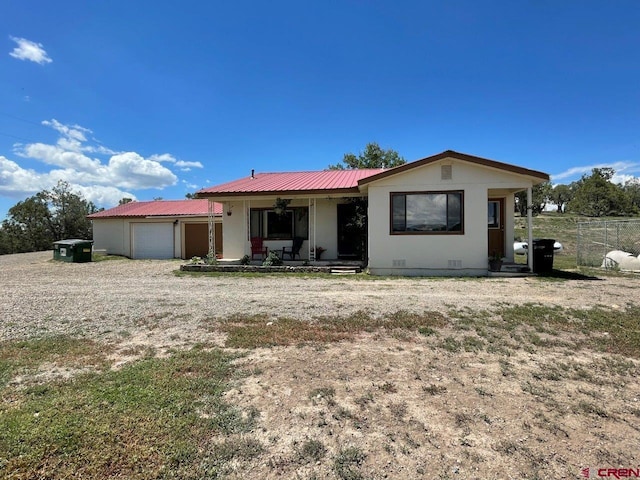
<point>347,270</point>
<point>514,268</point>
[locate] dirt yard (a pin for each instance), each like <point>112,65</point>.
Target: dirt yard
<point>506,385</point>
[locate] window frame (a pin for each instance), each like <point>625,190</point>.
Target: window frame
<point>263,223</point>
<point>497,224</point>
<point>427,192</point>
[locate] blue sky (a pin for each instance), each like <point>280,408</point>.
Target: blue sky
<point>158,99</point>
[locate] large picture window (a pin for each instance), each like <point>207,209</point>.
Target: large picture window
<point>267,224</point>
<point>427,213</point>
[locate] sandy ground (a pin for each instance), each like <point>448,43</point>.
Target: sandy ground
<point>111,298</point>
<point>405,405</point>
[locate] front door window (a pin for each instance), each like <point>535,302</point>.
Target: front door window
<point>495,227</point>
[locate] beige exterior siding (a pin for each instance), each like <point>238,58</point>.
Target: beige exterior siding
<point>115,235</point>
<point>236,236</point>
<point>112,236</point>
<point>439,254</point>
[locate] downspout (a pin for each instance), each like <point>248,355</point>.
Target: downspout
<point>530,228</point>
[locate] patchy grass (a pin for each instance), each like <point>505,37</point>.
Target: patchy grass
<point>151,419</point>
<point>101,257</point>
<point>347,463</point>
<point>529,326</point>
<point>605,329</point>
<point>261,331</point>
<point>311,451</point>
<point>167,418</point>
<point>25,356</point>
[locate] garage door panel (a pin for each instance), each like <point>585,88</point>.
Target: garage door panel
<point>153,240</point>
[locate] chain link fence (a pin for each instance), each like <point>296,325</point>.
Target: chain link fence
<point>597,238</point>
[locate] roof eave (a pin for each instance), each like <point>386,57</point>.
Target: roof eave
<point>333,191</point>
<point>458,156</point>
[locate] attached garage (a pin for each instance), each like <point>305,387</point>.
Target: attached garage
<point>160,229</point>
<point>152,240</point>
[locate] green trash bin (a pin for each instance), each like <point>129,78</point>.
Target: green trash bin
<point>543,255</point>
<point>72,250</point>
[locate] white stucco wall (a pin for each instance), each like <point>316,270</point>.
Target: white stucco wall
<point>434,254</point>
<point>112,236</point>
<point>327,227</point>
<point>115,235</point>
<point>234,230</point>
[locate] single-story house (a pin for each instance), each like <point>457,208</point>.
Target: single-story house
<point>441,215</point>
<point>158,229</point>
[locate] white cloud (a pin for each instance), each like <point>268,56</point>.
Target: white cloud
<point>101,195</point>
<point>17,182</point>
<point>58,156</point>
<point>70,131</point>
<point>621,168</point>
<point>623,178</point>
<point>190,186</point>
<point>28,50</point>
<point>187,166</point>
<point>101,174</point>
<point>133,171</point>
<point>165,157</point>
<point>181,164</point>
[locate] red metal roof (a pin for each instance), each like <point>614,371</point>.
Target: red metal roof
<point>340,181</point>
<point>160,208</point>
<point>293,182</point>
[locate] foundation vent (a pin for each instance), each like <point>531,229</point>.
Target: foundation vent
<point>446,172</point>
<point>399,262</point>
<point>454,263</point>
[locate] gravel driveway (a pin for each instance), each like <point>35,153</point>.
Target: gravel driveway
<point>123,298</point>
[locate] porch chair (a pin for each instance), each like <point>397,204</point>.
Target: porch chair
<point>294,249</point>
<point>258,248</point>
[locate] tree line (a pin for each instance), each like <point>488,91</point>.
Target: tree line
<point>594,195</point>
<point>33,224</point>
<point>50,215</point>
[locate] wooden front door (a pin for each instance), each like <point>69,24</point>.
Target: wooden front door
<point>196,239</point>
<point>495,225</point>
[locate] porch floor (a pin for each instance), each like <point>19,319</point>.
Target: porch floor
<point>512,269</point>
<point>298,263</point>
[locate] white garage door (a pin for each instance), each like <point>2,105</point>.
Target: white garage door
<point>152,240</point>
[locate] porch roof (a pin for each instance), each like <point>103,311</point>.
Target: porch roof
<point>159,208</point>
<point>312,182</point>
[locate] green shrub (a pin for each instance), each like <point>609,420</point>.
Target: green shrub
<point>272,260</point>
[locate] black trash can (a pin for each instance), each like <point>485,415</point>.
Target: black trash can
<point>543,255</point>
<point>72,250</point>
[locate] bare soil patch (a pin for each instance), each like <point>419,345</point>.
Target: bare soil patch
<point>463,397</point>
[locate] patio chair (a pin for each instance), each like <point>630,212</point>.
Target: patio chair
<point>294,249</point>
<point>258,248</point>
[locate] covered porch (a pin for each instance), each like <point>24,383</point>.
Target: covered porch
<point>501,226</point>
<point>326,228</point>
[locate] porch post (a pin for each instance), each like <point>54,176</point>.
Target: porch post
<point>246,220</point>
<point>530,228</point>
<point>312,229</point>
<point>211,221</point>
